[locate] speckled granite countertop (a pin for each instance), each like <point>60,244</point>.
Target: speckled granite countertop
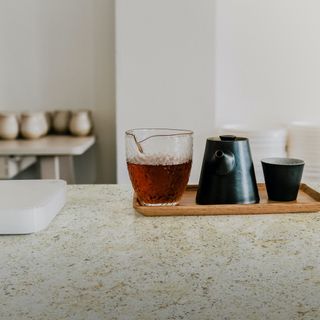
<point>99,259</point>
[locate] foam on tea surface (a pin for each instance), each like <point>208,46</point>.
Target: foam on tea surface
<point>158,159</point>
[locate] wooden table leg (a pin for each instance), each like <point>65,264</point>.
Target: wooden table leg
<point>49,167</point>
<point>67,169</point>
<point>57,167</point>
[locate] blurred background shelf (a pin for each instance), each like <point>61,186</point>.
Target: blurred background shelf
<point>10,166</point>
<point>55,154</point>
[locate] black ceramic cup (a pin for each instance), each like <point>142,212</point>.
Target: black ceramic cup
<point>282,177</point>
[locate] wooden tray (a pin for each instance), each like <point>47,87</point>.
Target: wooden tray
<point>308,201</point>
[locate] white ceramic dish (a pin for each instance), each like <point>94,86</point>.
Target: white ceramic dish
<point>259,132</point>
<point>28,206</point>
<point>264,141</point>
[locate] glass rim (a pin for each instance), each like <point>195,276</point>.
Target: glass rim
<point>174,131</point>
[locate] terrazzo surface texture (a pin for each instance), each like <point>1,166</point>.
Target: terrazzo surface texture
<point>99,259</point>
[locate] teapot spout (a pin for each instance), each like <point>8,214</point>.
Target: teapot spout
<point>223,162</point>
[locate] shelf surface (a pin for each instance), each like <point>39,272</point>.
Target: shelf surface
<point>48,145</point>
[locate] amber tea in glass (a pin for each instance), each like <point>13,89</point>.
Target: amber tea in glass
<point>159,164</point>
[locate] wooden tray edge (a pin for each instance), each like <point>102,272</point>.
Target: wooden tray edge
<point>229,209</point>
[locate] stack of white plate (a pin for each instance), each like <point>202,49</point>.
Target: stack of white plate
<point>264,143</point>
<point>304,144</point>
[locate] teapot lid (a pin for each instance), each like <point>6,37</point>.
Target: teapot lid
<point>228,137</point>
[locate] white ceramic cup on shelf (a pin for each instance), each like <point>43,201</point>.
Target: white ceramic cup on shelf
<point>9,126</point>
<point>33,125</point>
<point>80,123</point>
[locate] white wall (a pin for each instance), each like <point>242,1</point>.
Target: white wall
<point>59,54</point>
<point>165,70</point>
<point>201,64</point>
<point>267,66</point>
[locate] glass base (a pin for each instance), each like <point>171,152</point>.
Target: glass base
<point>168,204</point>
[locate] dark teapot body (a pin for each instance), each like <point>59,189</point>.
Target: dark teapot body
<point>227,174</point>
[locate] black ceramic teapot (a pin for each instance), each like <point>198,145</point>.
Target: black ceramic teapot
<point>227,174</point>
